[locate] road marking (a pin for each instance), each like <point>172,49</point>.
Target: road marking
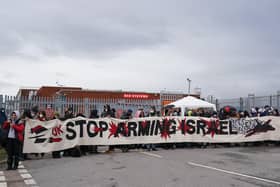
<point>151,154</point>
<point>3,184</point>
<point>2,178</point>
<point>22,171</point>
<point>234,173</point>
<point>20,166</point>
<point>26,176</point>
<point>30,182</point>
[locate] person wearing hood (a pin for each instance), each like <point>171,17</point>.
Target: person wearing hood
<point>15,129</point>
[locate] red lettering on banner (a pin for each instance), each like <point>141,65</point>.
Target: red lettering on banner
<point>56,131</point>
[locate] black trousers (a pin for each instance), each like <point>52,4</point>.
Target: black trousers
<point>13,149</point>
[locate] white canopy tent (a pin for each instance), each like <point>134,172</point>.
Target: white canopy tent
<point>190,102</point>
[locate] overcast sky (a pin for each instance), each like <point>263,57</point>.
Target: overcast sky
<point>228,48</point>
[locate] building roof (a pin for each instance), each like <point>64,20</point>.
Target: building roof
<point>48,91</point>
<point>26,91</point>
<point>77,92</point>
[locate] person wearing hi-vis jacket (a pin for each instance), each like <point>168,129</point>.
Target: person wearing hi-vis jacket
<point>15,129</point>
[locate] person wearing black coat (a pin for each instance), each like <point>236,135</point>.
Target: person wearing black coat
<point>68,114</point>
<point>126,115</point>
<point>108,113</point>
<point>152,113</point>
<point>3,133</point>
<point>93,115</point>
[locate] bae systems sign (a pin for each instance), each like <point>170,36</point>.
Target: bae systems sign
<point>136,96</point>
<point>59,135</point>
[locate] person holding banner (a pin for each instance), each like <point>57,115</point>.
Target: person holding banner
<point>108,113</point>
<point>74,151</point>
<point>126,115</point>
<point>27,114</point>
<point>15,137</point>
<point>42,117</point>
<point>152,113</point>
<point>68,114</point>
<point>93,115</point>
<point>56,154</point>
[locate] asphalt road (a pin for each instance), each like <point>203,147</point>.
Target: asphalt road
<point>241,166</point>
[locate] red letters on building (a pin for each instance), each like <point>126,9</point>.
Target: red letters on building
<point>136,96</point>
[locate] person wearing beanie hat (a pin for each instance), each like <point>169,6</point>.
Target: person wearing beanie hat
<point>15,136</point>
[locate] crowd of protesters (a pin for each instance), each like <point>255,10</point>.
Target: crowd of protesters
<point>224,113</point>
<point>12,128</point>
<point>231,112</point>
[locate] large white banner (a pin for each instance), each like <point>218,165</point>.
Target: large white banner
<point>59,135</point>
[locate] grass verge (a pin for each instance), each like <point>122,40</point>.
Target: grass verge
<point>3,155</point>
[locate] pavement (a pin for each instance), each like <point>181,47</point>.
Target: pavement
<point>238,166</point>
<point>16,178</point>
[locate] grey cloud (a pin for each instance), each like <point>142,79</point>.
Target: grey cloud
<point>226,47</point>
<point>90,27</point>
<point>59,31</point>
<point>9,45</point>
<point>5,85</point>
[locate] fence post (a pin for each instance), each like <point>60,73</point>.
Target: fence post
<point>251,97</point>
<point>1,101</point>
<point>58,103</point>
<point>278,99</point>
<point>86,107</point>
<point>241,104</point>
<point>217,105</point>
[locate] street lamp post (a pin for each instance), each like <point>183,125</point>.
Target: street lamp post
<point>189,83</point>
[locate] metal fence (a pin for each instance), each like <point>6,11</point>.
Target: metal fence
<point>60,104</point>
<point>246,103</point>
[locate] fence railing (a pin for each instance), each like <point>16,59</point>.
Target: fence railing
<point>246,103</point>
<point>60,104</point>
